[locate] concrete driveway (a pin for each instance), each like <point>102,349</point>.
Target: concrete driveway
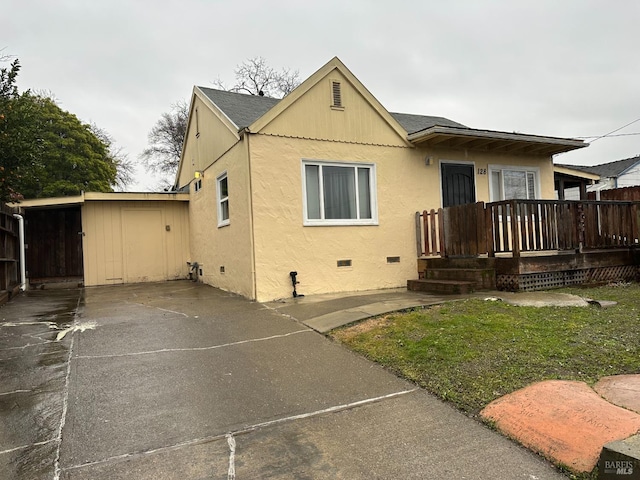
<point>182,381</point>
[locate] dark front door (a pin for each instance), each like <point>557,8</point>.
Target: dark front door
<point>458,184</point>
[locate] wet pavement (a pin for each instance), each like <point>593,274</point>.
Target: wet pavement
<point>179,380</point>
<point>33,372</point>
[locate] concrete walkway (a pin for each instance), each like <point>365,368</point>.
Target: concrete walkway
<point>326,312</point>
<point>182,381</point>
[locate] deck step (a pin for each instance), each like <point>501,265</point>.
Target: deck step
<point>484,278</point>
<point>445,287</point>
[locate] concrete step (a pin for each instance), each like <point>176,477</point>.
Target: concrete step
<point>620,459</point>
<point>444,287</point>
<point>484,278</point>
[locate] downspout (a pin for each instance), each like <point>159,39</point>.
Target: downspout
<point>254,285</point>
<point>23,267</point>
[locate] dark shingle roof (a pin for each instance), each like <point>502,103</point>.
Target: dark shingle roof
<point>608,170</point>
<point>415,123</point>
<point>243,110</point>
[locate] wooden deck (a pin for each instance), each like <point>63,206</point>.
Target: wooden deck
<point>534,244</point>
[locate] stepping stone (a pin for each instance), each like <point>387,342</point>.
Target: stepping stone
<point>621,390</point>
<point>565,421</point>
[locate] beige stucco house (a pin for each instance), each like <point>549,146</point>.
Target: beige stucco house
<point>326,182</point>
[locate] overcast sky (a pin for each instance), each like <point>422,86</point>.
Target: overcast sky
<point>567,68</point>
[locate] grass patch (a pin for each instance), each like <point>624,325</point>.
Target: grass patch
<point>471,352</point>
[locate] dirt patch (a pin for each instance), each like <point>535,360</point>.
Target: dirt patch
<point>364,326</point>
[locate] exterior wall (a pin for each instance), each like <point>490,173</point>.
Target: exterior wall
<point>129,242</point>
<point>481,162</point>
<point>404,185</point>
<point>227,248</point>
<point>207,139</point>
<point>311,116</point>
<point>631,178</point>
<point>266,238</point>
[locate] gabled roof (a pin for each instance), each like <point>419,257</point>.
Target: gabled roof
<point>611,169</point>
<point>242,109</point>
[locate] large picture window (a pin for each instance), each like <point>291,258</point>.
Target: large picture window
<point>339,193</point>
<point>223,200</point>
<point>513,183</point>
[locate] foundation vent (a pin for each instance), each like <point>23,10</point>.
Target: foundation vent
<point>393,259</point>
<point>344,263</point>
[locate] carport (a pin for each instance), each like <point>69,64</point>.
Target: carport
<point>106,238</point>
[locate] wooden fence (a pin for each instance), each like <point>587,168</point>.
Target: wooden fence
<point>624,194</point>
<point>516,226</point>
<point>9,248</point>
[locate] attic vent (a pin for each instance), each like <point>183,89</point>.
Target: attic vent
<point>337,94</point>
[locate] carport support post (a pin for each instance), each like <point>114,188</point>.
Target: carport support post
<point>23,267</point>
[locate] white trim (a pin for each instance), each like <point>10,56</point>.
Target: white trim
<point>220,199</point>
<point>373,195</point>
<point>492,168</point>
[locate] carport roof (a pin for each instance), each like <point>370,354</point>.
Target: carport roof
<point>98,196</point>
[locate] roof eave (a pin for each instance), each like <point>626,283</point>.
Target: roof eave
<point>573,172</point>
<point>494,141</point>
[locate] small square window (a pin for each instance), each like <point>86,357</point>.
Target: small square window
<point>223,199</point>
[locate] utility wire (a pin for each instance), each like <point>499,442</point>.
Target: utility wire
<point>614,131</point>
<point>610,136</point>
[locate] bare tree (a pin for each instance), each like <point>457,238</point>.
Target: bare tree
<point>117,155</point>
<point>256,77</point>
<point>166,139</point>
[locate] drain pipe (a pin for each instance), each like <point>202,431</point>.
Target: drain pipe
<point>23,268</point>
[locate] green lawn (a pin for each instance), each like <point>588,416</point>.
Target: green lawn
<point>472,352</point>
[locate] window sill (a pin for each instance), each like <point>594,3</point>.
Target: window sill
<point>339,223</point>
<point>226,223</point>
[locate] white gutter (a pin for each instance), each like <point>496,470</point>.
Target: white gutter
<point>23,268</point>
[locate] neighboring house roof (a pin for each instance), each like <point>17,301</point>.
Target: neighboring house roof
<point>610,169</point>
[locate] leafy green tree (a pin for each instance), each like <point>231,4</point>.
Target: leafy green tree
<point>46,151</point>
<point>19,152</point>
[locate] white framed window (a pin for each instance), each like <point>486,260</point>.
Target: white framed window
<point>339,193</point>
<point>222,192</point>
<point>509,183</point>
<point>197,185</point>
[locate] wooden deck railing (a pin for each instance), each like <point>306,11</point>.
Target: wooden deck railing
<point>516,226</point>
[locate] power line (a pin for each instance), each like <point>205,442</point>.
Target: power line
<point>609,136</point>
<point>614,131</point>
